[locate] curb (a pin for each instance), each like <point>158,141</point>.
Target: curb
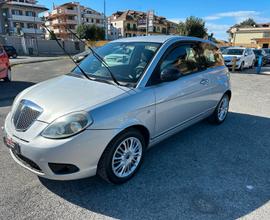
<point>36,61</point>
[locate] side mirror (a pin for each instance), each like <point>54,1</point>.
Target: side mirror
<point>246,54</point>
<point>170,74</point>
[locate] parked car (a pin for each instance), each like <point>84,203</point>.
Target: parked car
<point>223,48</point>
<point>245,58</point>
<point>11,51</point>
<point>5,69</point>
<point>267,51</point>
<point>95,121</point>
<point>258,53</point>
<point>79,57</point>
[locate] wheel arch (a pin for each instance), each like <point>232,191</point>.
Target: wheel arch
<point>229,93</point>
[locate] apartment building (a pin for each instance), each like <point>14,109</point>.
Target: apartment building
<point>135,23</point>
<point>69,16</point>
<point>258,36</point>
<point>21,17</point>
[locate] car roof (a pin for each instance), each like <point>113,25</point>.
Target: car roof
<point>161,39</point>
<point>241,48</point>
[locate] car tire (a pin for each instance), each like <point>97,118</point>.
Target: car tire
<point>221,111</point>
<point>109,166</point>
<point>8,78</point>
<point>14,56</point>
<point>241,68</point>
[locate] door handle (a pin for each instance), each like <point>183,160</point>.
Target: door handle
<point>204,82</point>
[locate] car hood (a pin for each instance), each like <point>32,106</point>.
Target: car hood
<point>66,94</point>
<point>230,57</point>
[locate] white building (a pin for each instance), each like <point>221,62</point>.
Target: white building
<point>20,17</point>
<point>69,16</point>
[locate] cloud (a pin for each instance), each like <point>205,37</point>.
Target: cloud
<point>219,30</point>
<point>239,16</point>
<point>177,20</point>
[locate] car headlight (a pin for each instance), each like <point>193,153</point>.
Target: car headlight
<point>67,126</point>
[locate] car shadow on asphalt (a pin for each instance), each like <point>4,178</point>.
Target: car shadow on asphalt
<point>203,172</point>
<point>9,90</point>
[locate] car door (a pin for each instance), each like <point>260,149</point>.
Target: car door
<point>187,97</point>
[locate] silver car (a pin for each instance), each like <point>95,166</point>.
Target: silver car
<point>101,120</point>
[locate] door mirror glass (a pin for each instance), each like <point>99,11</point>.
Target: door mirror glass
<point>246,54</point>
<point>170,74</point>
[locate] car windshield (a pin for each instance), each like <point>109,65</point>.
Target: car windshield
<point>233,52</point>
<point>257,52</point>
<point>126,60</point>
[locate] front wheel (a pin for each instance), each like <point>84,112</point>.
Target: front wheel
<point>241,68</point>
<point>221,111</point>
<point>122,158</point>
<point>8,78</point>
<point>14,56</point>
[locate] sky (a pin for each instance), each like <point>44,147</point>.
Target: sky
<point>218,15</point>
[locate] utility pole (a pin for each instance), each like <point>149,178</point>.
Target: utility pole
<point>35,28</point>
<point>105,21</point>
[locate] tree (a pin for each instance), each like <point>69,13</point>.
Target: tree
<point>52,36</point>
<point>193,26</point>
<point>90,32</point>
<point>247,23</point>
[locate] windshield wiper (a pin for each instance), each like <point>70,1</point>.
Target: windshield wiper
<point>98,57</point>
<point>69,55</point>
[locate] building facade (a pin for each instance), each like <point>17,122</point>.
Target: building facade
<point>21,17</point>
<point>135,23</point>
<point>69,16</point>
<point>258,36</point>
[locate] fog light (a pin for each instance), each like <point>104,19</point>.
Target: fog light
<point>62,169</point>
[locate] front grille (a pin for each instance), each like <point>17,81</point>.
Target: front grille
<point>25,115</point>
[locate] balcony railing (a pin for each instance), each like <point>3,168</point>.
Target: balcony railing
<point>68,21</point>
<point>64,11</point>
<point>25,18</point>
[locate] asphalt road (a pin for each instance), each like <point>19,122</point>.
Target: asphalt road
<point>204,172</point>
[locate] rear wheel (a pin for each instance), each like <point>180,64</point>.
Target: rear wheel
<point>14,55</point>
<point>122,158</point>
<point>221,111</point>
<point>8,78</point>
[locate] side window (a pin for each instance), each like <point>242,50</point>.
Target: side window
<point>1,50</point>
<point>183,58</point>
<point>212,56</point>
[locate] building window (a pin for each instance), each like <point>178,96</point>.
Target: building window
<point>16,12</point>
<point>97,21</point>
<point>128,26</point>
<point>18,24</point>
<point>92,20</point>
<point>134,27</point>
<point>32,25</point>
<point>30,13</point>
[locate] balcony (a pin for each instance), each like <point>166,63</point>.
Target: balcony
<point>30,31</point>
<point>62,11</point>
<point>64,22</point>
<point>27,4</point>
<point>23,18</point>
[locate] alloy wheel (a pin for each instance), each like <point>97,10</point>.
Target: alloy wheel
<point>127,157</point>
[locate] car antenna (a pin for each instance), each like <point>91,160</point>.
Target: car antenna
<point>57,41</point>
<point>97,56</point>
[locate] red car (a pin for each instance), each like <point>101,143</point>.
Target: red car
<point>5,69</point>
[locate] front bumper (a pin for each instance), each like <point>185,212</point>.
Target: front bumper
<point>83,150</point>
<point>229,64</point>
